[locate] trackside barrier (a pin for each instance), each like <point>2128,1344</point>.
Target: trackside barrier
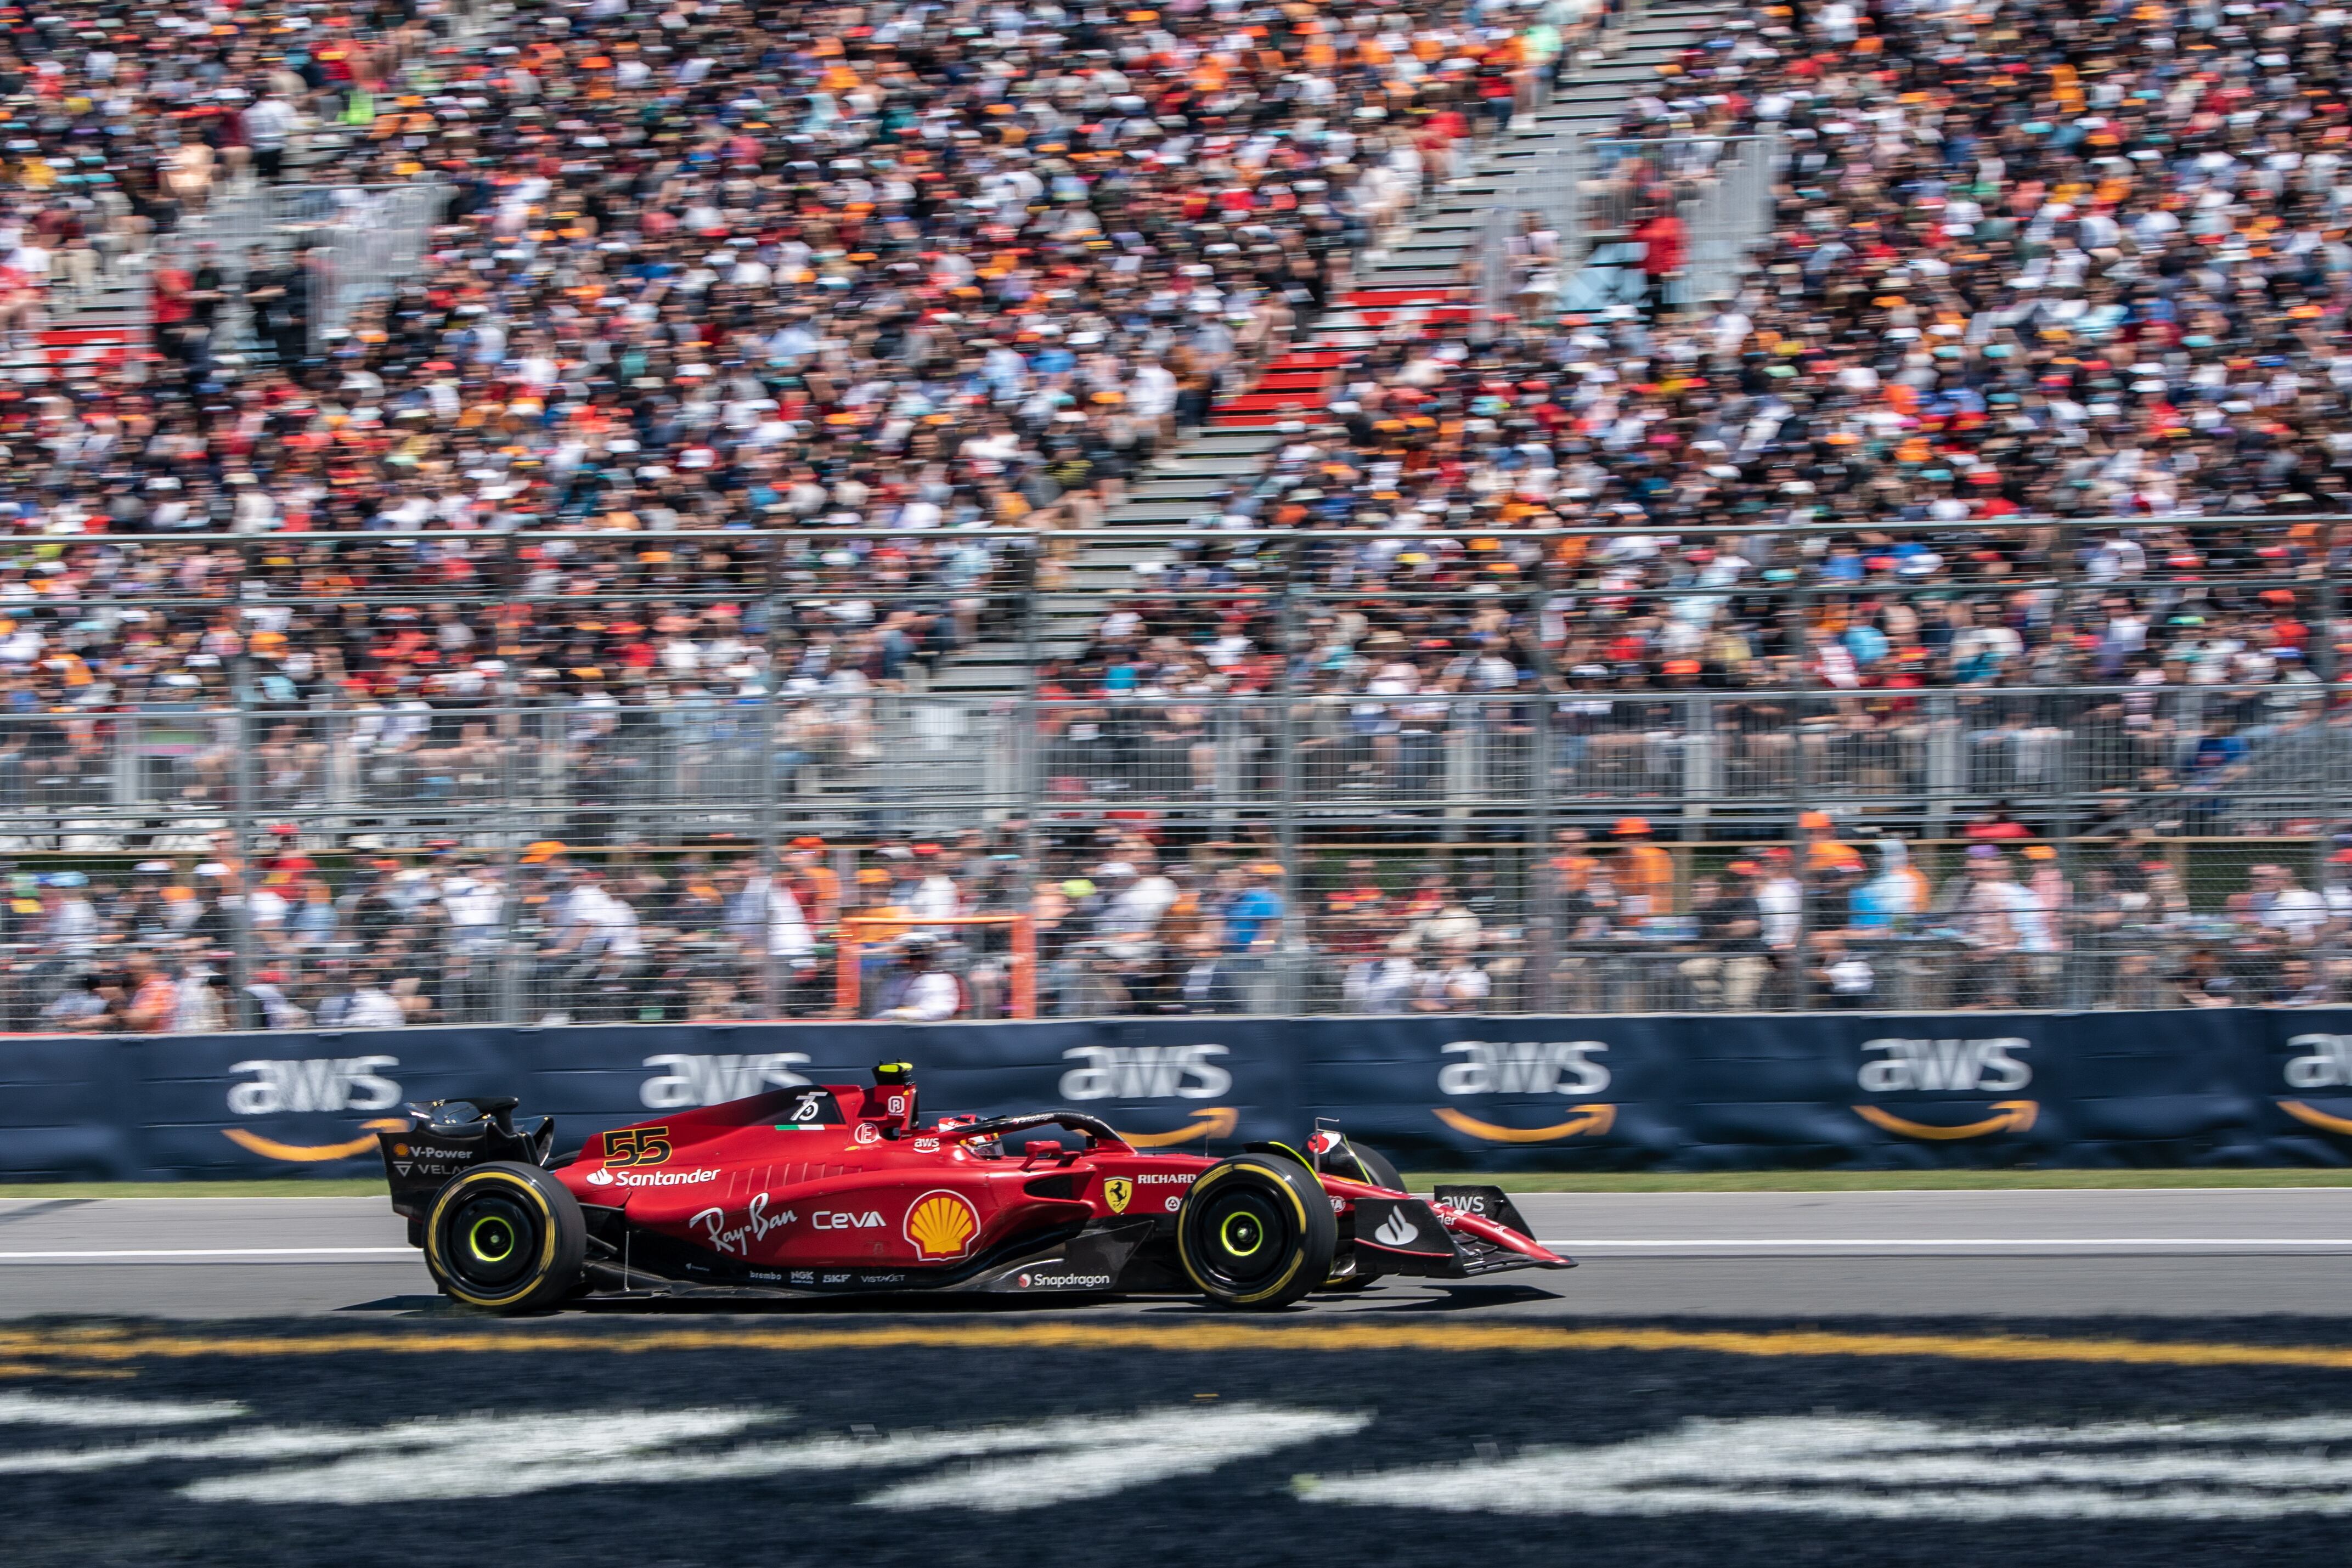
<point>2221,1087</point>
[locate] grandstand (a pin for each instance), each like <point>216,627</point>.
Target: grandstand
<point>1365,584</point>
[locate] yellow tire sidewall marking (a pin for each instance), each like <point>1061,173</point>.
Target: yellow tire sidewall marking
<point>1184,1252</point>
<point>457,1189</point>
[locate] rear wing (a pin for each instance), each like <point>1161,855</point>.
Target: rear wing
<point>447,1138</point>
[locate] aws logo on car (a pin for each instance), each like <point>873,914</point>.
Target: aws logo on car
<point>313,1084</point>
<point>1522,1069</point>
<point>1948,1066</point>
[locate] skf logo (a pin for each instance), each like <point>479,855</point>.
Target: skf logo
<point>1526,1067</point>
<point>329,1084</point>
<point>2326,1063</point>
<point>1145,1072</point>
<point>1947,1066</point>
<point>1117,1192</point>
<point>688,1080</point>
<point>941,1224</point>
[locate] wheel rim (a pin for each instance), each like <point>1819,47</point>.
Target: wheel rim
<point>490,1239</point>
<point>1246,1237</point>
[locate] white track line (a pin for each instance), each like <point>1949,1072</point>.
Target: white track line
<point>177,1254</point>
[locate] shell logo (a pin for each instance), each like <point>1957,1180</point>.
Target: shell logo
<point>941,1224</point>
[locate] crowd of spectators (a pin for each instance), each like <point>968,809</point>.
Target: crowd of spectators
<point>1119,920</point>
<point>752,343</point>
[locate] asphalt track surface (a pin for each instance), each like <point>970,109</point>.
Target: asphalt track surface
<point>1922,1379</point>
<point>2187,1253</point>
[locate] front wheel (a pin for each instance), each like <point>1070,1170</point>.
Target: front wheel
<point>508,1238</point>
<point>1256,1231</point>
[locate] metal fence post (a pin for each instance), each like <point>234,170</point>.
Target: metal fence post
<point>1291,951</point>
<point>241,825</point>
<point>1029,758</point>
<point>1800,773</point>
<point>1544,904</point>
<point>2331,765</point>
<point>769,988</point>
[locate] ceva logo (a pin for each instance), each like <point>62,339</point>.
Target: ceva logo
<point>314,1084</point>
<point>689,1080</point>
<point>2326,1063</point>
<point>1524,1068</point>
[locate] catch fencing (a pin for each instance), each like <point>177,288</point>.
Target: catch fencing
<point>2251,1087</point>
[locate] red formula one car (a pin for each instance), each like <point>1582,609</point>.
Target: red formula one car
<point>842,1190</point>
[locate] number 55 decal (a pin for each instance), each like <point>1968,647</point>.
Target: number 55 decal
<point>637,1146</point>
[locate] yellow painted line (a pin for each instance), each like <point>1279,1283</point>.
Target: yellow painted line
<point>117,1346</point>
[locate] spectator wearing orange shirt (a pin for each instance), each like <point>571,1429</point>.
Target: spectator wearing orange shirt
<point>1645,872</point>
<point>1823,849</point>
<point>154,1000</point>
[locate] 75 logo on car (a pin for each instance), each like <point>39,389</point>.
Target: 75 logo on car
<point>636,1146</point>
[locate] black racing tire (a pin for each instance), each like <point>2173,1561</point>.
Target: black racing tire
<point>506,1237</point>
<point>1256,1232</point>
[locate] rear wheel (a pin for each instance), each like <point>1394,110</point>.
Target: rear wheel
<point>506,1237</point>
<point>1256,1231</point>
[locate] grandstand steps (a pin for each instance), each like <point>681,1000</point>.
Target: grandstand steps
<point>1416,278</point>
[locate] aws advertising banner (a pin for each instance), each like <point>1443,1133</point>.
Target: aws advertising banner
<point>1859,1090</point>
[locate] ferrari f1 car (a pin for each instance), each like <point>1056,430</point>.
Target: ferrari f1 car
<point>842,1190</point>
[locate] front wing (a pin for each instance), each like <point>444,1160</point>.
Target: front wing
<point>1462,1235</point>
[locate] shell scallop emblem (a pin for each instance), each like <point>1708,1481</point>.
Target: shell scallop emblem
<point>941,1224</point>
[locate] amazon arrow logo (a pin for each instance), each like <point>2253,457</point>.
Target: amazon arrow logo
<point>1590,1122</point>
<point>2312,1116</point>
<point>2008,1116</point>
<point>1217,1121</point>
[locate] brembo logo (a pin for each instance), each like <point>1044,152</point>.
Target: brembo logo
<point>1945,1066</point>
<point>1145,1072</point>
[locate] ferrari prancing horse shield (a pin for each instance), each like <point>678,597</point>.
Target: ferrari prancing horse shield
<point>1117,1190</point>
